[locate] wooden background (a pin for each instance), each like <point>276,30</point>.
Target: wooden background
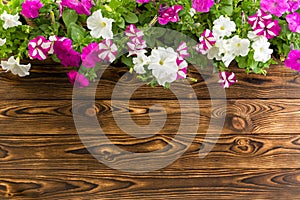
<point>256,157</point>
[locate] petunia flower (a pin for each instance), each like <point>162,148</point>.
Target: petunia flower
<point>139,63</point>
<point>136,46</point>
<point>294,22</point>
<point>132,32</point>
<point>294,5</point>
<point>227,79</point>
<point>223,26</point>
<point>10,20</point>
<point>206,41</point>
<point>90,56</point>
<point>142,1</point>
<point>100,26</point>
<point>275,7</point>
<point>39,47</point>
<point>168,14</point>
<point>262,52</point>
<point>80,6</point>
<point>240,46</point>
<point>269,29</point>
<point>31,8</point>
<point>77,79</point>
<point>2,41</point>
<point>259,16</point>
<point>202,5</point>
<point>182,50</point>
<point>15,67</point>
<point>182,68</point>
<point>293,60</point>
<point>108,51</point>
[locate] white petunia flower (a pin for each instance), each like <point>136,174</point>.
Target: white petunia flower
<point>226,51</point>
<point>15,67</point>
<point>10,20</point>
<point>213,52</point>
<point>253,37</point>
<point>100,26</point>
<point>262,52</point>
<point>163,65</point>
<point>139,62</point>
<point>240,46</point>
<point>223,27</point>
<point>2,42</point>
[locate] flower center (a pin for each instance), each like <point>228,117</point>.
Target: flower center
<point>222,28</point>
<point>103,24</point>
<point>161,62</point>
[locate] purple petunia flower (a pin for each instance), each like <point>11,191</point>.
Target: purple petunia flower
<point>202,5</point>
<point>294,5</point>
<point>293,60</point>
<point>142,1</point>
<point>39,47</point>
<point>31,8</point>
<point>77,79</point>
<point>168,14</point>
<point>90,56</point>
<point>65,53</point>
<point>294,22</point>
<point>80,6</point>
<point>227,79</point>
<point>275,7</point>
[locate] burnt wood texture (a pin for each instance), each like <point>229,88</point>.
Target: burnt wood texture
<point>255,154</point>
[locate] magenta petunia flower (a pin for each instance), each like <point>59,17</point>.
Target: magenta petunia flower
<point>80,6</point>
<point>65,53</point>
<point>168,14</point>
<point>206,41</point>
<point>227,79</point>
<point>132,32</point>
<point>108,50</point>
<point>31,8</point>
<point>293,60</point>
<point>294,22</point>
<point>294,5</point>
<point>90,56</point>
<point>136,45</point>
<point>275,7</point>
<point>142,1</point>
<point>77,79</point>
<point>202,5</point>
<point>259,16</point>
<point>39,47</point>
<point>269,29</point>
<point>182,68</point>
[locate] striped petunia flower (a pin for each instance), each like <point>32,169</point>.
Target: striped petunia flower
<point>132,32</point>
<point>206,41</point>
<point>39,48</point>
<point>227,79</point>
<point>259,16</point>
<point>108,50</point>
<point>182,50</point>
<point>269,29</point>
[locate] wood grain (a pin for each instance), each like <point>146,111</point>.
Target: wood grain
<point>246,116</point>
<point>50,82</point>
<point>67,152</point>
<point>259,184</point>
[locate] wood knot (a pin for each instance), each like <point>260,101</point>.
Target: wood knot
<point>245,146</point>
<point>91,112</point>
<point>239,123</point>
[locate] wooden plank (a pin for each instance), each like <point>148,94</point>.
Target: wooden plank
<point>259,184</point>
<point>55,152</point>
<point>50,82</point>
<point>43,117</point>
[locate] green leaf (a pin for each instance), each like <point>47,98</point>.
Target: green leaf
<point>226,7</point>
<point>131,18</point>
<point>69,17</point>
<point>77,32</point>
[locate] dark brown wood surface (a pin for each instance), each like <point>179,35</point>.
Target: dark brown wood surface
<point>255,156</point>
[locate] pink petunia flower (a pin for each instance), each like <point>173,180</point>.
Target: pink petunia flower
<point>80,6</point>
<point>65,53</point>
<point>294,22</point>
<point>77,79</point>
<point>202,5</point>
<point>108,50</point>
<point>227,79</point>
<point>206,41</point>
<point>269,29</point>
<point>293,60</point>
<point>90,56</point>
<point>31,8</point>
<point>39,47</point>
<point>259,16</point>
<point>182,50</point>
<point>142,1</point>
<point>132,32</point>
<point>168,14</point>
<point>294,5</point>
<point>275,7</point>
